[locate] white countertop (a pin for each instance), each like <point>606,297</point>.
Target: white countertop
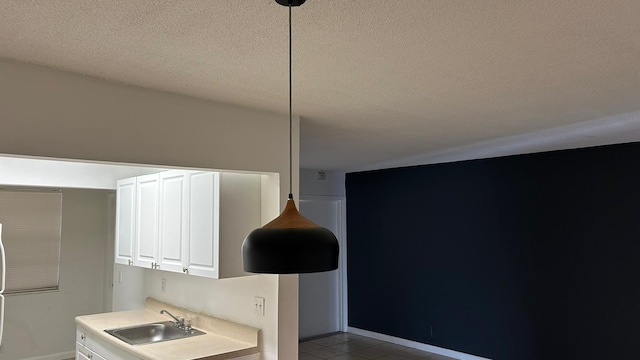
<point>223,339</point>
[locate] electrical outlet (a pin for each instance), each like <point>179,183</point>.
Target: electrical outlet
<point>164,285</point>
<point>258,303</point>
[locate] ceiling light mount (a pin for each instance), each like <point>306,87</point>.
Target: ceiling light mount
<point>290,2</point>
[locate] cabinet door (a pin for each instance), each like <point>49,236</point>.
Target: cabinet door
<point>174,218</point>
<point>125,221</point>
<point>147,196</point>
<point>204,218</point>
<point>83,353</point>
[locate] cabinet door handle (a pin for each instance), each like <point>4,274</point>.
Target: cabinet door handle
<point>130,262</point>
<point>82,336</point>
<point>90,355</point>
<point>185,270</point>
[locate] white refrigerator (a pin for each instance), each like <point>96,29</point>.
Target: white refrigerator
<point>2,280</point>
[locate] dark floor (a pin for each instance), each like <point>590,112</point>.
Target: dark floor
<point>344,346</point>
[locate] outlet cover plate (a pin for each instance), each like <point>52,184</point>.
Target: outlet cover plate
<point>258,303</point>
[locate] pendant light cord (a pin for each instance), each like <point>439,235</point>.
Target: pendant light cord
<point>290,115</point>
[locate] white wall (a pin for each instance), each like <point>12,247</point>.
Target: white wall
<point>333,185</point>
<point>230,299</point>
<point>43,324</point>
<point>321,296</point>
<point>50,173</point>
<point>54,114</point>
<point>109,253</point>
<point>128,288</point>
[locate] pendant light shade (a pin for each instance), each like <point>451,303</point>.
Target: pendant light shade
<point>291,243</point>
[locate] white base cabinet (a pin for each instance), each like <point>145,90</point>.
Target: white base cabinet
<point>92,348</point>
<point>83,353</point>
<point>89,347</point>
<point>187,221</point>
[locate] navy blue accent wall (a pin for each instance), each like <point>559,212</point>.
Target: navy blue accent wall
<point>521,257</point>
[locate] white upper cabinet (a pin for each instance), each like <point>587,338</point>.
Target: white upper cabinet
<point>125,221</point>
<point>174,218</point>
<point>204,222</point>
<point>190,221</point>
<point>147,199</point>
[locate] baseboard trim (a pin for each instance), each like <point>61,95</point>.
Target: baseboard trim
<point>318,336</point>
<point>415,344</point>
<point>58,356</point>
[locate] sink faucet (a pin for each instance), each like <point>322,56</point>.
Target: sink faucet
<point>179,322</point>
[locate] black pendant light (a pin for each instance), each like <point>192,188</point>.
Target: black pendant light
<point>290,243</point>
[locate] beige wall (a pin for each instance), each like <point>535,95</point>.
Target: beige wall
<point>50,113</point>
<point>43,324</point>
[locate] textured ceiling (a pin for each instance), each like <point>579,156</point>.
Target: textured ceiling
<point>373,80</point>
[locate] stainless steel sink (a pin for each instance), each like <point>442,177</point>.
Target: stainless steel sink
<point>154,332</point>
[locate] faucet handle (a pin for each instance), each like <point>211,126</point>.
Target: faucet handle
<point>187,325</point>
